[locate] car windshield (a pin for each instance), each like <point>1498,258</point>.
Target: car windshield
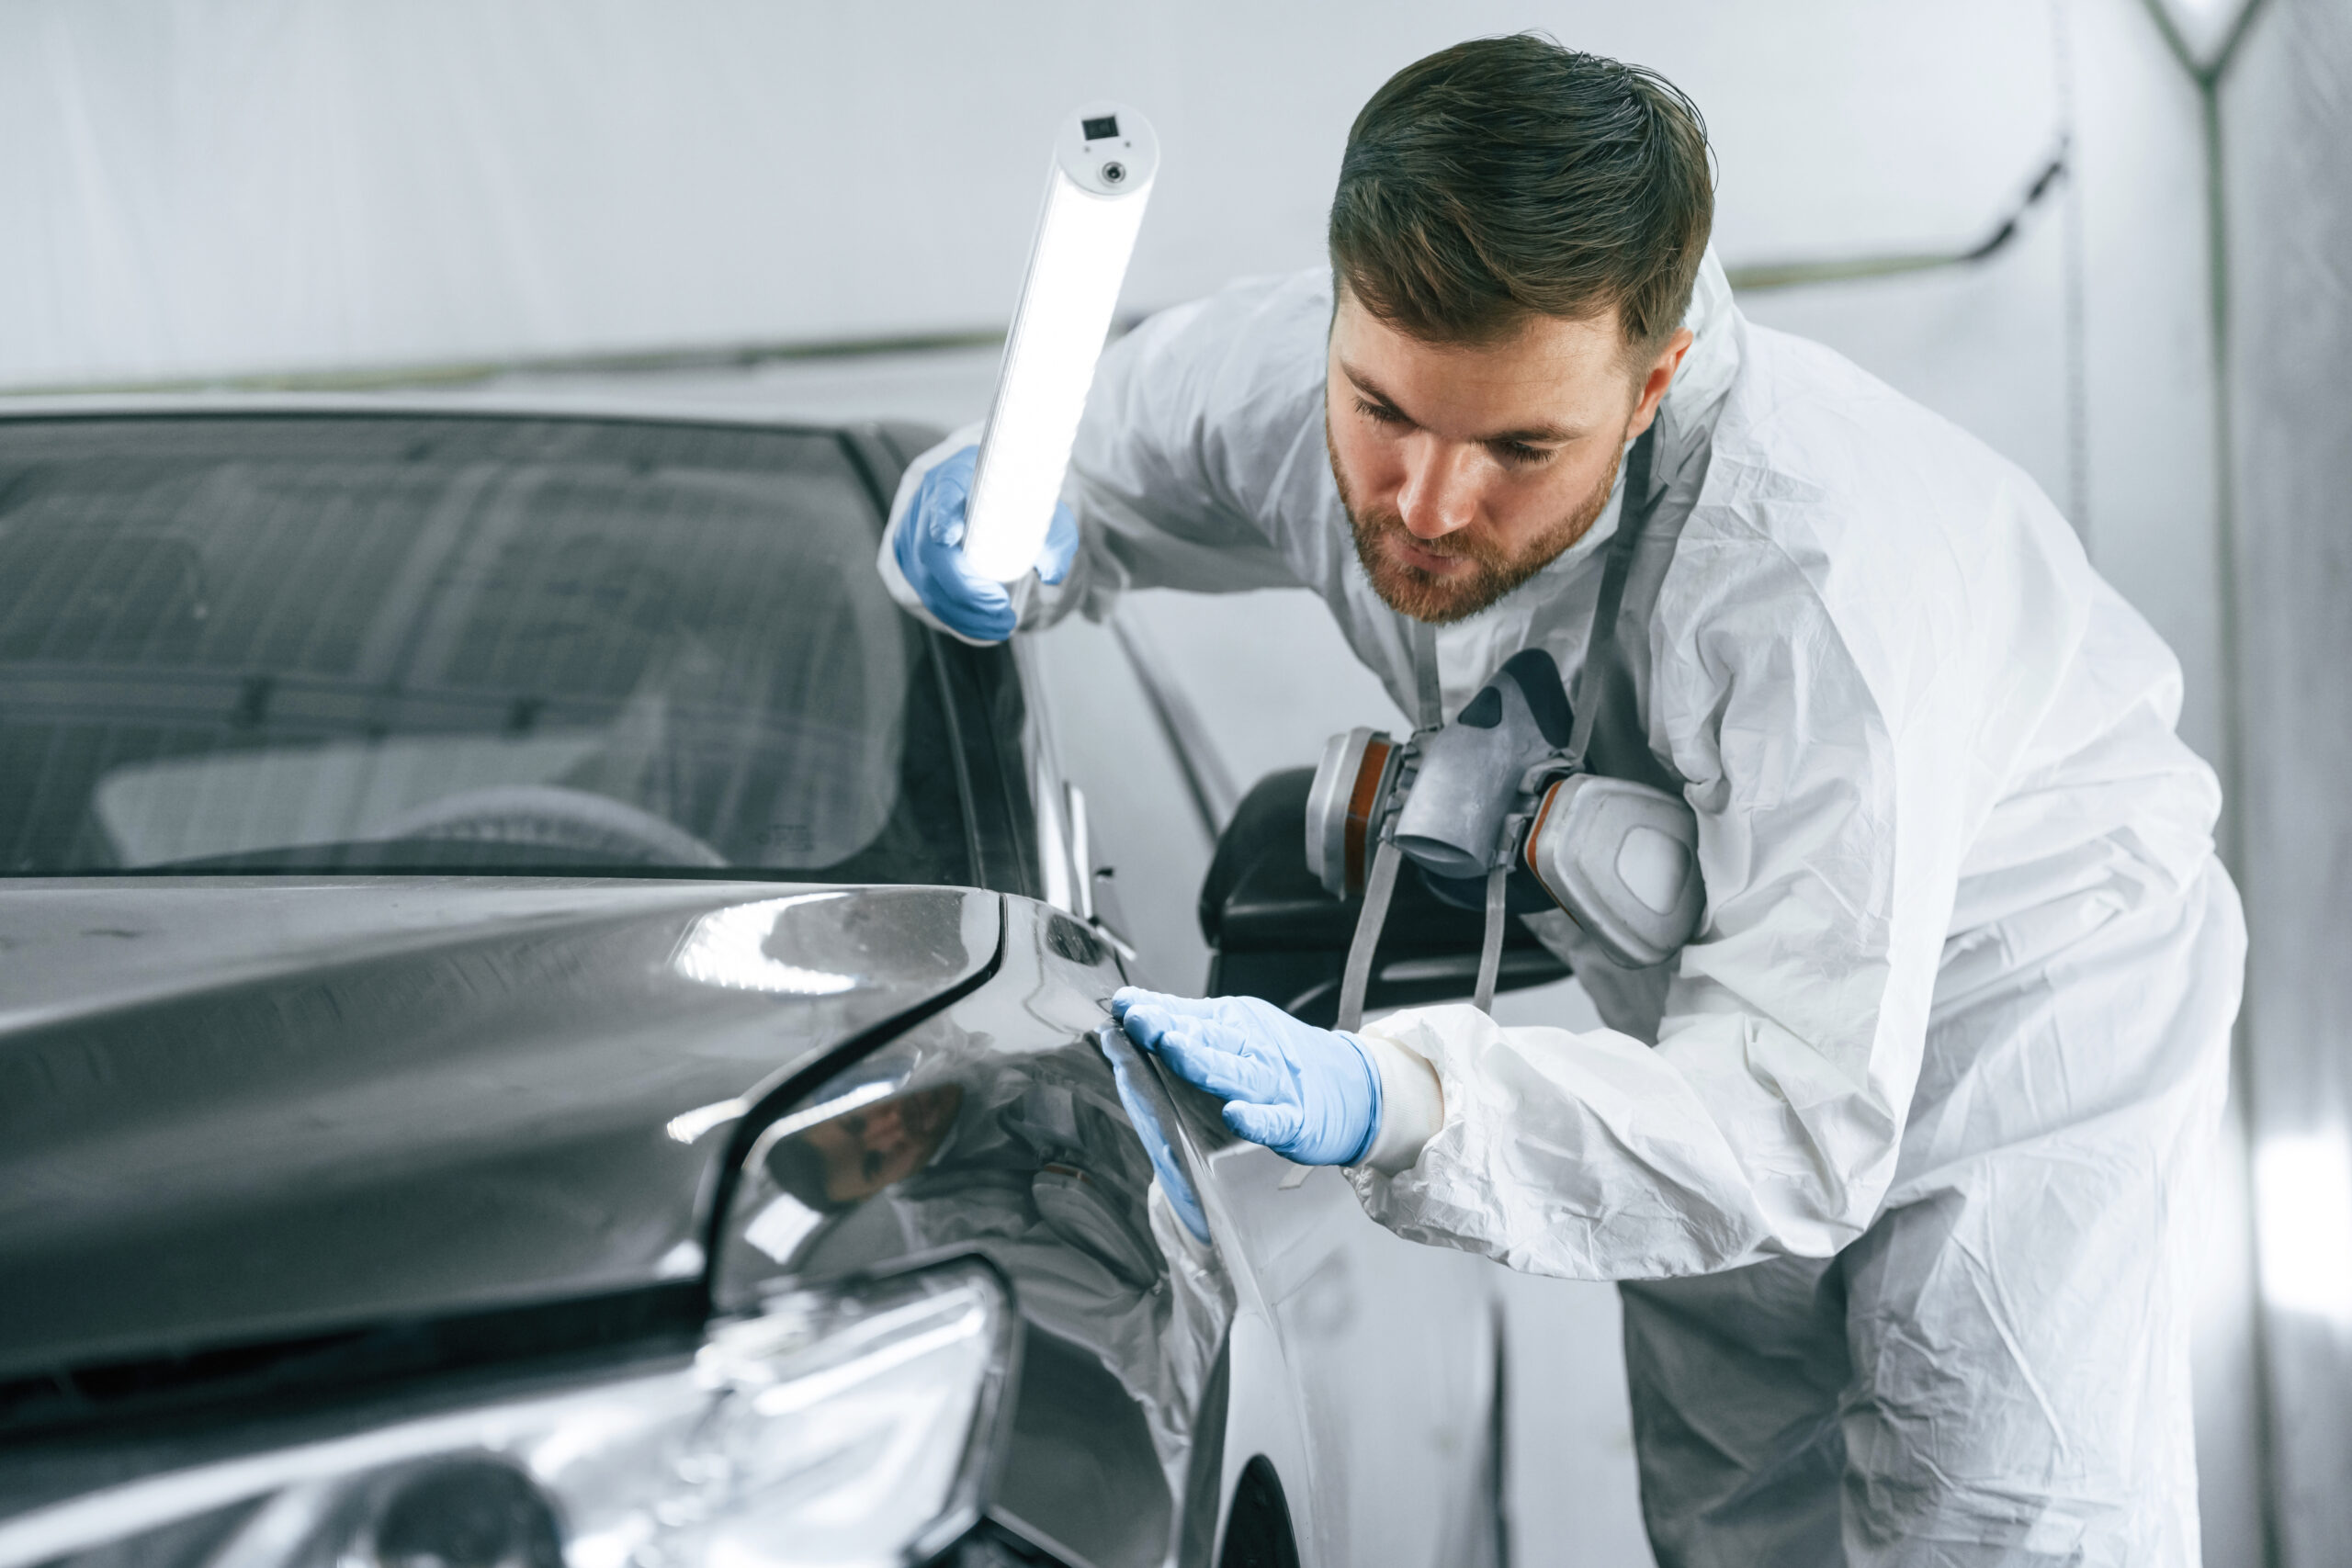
<point>323,643</point>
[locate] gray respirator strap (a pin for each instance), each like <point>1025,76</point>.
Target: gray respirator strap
<point>1380,885</point>
<point>1356,980</point>
<point>1612,733</point>
<point>1490,944</point>
<point>1428,691</point>
<point>1605,682</point>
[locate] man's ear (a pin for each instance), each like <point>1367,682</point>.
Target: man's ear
<point>1657,379</point>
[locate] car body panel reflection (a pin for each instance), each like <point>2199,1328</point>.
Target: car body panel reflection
<point>234,1108</point>
<point>1005,1131</point>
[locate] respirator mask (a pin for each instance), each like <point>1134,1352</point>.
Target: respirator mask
<point>1501,791</point>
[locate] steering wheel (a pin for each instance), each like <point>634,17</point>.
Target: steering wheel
<point>554,818</point>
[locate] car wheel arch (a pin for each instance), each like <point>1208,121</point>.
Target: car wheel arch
<point>1257,1529</point>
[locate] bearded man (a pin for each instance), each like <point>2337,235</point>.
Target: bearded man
<point>1897,1159</point>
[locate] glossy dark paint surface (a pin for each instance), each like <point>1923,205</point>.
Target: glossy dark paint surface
<point>238,1109</point>
<point>1117,1439</point>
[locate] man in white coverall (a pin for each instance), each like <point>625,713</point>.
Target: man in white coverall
<point>1898,1159</point>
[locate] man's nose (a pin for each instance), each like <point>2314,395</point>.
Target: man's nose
<point>1439,493</point>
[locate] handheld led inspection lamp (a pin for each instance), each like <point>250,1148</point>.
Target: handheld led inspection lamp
<point>1105,157</point>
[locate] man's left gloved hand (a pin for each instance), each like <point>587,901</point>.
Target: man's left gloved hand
<point>928,546</point>
<point>1308,1094</point>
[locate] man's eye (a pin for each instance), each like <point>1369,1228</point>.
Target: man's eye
<point>1380,413</point>
<point>1520,453</point>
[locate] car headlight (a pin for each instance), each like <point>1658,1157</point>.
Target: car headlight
<point>830,1428</point>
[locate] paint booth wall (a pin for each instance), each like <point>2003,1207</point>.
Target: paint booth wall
<point>290,182</point>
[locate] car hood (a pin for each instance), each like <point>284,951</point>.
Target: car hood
<point>237,1110</point>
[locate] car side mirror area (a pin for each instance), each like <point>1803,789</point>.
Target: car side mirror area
<point>1274,931</point>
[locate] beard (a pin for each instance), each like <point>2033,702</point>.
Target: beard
<point>1442,601</point>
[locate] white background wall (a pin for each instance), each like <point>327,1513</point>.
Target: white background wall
<point>223,187</point>
<point>238,184</point>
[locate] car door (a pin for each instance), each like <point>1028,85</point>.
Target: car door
<point>1390,1348</point>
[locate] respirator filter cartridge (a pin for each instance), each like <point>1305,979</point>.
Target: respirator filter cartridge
<point>1622,859</point>
<point>1344,806</point>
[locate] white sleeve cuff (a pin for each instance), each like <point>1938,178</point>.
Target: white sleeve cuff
<point>1412,1105</point>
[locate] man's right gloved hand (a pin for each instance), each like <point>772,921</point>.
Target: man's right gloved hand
<point>930,553</point>
<point>1311,1095</point>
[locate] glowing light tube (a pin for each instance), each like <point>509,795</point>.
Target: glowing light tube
<point>1105,158</point>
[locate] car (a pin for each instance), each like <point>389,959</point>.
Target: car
<point>543,1020</point>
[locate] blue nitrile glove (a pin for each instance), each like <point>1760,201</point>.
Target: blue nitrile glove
<point>1308,1094</point>
<point>930,551</point>
<point>1126,1068</point>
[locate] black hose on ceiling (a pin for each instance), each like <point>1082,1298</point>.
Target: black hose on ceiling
<point>1794,273</point>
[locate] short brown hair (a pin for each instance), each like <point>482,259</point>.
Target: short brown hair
<point>1509,177</point>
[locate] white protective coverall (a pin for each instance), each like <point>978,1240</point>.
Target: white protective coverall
<point>1900,1160</point>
